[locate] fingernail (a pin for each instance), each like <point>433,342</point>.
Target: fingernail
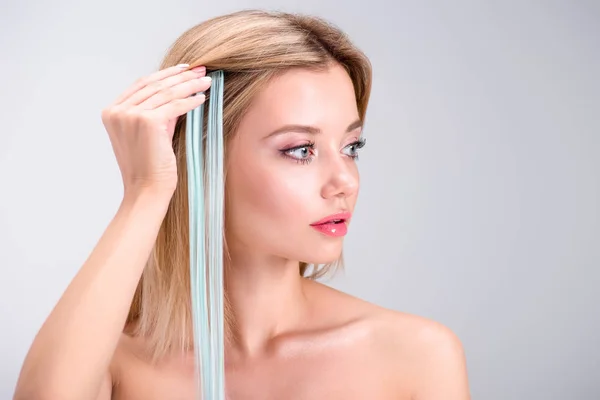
<point>199,69</point>
<point>182,65</point>
<point>206,78</point>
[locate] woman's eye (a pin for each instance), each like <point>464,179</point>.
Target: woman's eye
<point>352,149</point>
<point>299,153</point>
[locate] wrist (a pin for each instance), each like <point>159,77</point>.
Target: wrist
<point>148,196</point>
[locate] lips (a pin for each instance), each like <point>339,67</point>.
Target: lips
<point>333,225</point>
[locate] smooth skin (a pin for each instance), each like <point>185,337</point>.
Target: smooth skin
<point>295,339</point>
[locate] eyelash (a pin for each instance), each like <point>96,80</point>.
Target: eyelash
<point>360,143</point>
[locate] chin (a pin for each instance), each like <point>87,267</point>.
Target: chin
<point>323,256</point>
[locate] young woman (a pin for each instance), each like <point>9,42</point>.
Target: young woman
<point>295,98</point>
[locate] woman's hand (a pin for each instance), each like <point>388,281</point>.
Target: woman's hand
<point>141,124</point>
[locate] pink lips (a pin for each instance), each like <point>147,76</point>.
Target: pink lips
<point>335,225</point>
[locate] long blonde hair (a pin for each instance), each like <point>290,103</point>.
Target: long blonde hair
<point>251,47</point>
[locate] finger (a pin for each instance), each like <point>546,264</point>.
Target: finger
<point>142,82</point>
<point>178,107</point>
<point>154,88</point>
<point>179,91</point>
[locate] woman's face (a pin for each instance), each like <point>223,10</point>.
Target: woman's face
<point>281,181</point>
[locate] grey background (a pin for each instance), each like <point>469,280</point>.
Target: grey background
<point>480,181</point>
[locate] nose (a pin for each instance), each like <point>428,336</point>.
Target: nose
<point>342,179</point>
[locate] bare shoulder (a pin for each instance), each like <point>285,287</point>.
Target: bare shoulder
<point>426,351</point>
<point>430,352</point>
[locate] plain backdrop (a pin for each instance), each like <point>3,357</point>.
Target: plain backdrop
<point>479,203</point>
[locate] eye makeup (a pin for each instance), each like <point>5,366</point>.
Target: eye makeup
<point>305,153</point>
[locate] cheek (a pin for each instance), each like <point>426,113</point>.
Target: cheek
<point>271,193</point>
<point>269,201</point>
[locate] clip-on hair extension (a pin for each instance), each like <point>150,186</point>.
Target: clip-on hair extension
<point>205,195</point>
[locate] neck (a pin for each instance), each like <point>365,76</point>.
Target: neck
<point>265,297</point>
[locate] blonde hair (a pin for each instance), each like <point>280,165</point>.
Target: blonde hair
<point>251,47</point>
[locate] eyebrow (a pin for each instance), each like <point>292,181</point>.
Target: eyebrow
<point>313,130</point>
